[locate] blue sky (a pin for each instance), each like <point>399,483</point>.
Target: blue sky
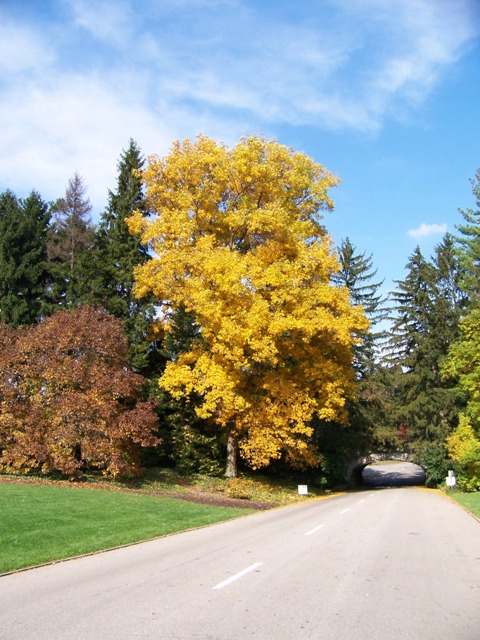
<point>384,93</point>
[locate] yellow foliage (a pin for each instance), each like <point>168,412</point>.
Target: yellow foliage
<point>236,238</point>
<point>462,441</point>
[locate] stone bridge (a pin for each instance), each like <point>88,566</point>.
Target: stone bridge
<point>356,466</point>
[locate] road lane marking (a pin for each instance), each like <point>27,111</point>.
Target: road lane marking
<point>237,576</point>
<point>360,501</point>
<point>344,511</point>
<point>309,533</point>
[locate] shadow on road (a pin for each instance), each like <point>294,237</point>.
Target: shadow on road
<point>393,474</point>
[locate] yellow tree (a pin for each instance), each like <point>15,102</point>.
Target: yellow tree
<point>236,241</point>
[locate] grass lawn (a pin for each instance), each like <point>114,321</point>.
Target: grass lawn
<point>40,523</point>
<point>470,501</point>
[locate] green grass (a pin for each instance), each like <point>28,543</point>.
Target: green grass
<point>41,523</point>
<point>470,501</point>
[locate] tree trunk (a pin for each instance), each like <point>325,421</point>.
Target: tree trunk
<point>231,465</point>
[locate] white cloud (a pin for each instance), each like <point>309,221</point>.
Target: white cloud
<point>109,22</point>
<point>76,124</point>
<point>22,49</point>
<point>425,230</point>
<point>349,68</point>
<point>73,93</point>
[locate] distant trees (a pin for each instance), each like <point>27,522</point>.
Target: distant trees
<point>68,401</point>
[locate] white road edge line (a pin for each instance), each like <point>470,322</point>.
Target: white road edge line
<point>344,511</point>
<point>237,575</point>
<point>360,501</point>
<point>309,533</point>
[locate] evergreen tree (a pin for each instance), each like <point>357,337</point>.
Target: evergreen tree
<point>357,274</point>
<point>370,426</point>
<point>428,309</point>
<point>70,245</point>
<point>23,258</point>
<point>451,301</point>
<point>469,241</point>
<point>193,444</point>
<point>119,252</point>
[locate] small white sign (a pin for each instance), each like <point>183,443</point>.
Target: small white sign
<point>451,481</point>
<point>302,490</point>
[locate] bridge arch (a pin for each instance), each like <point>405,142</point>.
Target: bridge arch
<point>378,469</point>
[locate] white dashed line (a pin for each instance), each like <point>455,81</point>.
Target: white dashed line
<point>237,576</point>
<point>309,533</point>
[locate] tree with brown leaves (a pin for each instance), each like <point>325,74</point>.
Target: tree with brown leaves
<point>68,400</point>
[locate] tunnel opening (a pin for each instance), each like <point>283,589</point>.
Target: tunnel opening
<point>391,473</point>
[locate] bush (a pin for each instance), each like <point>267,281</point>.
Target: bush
<point>464,447</point>
<point>436,463</point>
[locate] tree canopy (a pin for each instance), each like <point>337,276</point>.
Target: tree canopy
<point>237,241</point>
<point>68,400</point>
<point>253,333</point>
<point>119,252</point>
<point>23,258</point>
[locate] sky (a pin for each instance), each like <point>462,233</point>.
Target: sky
<point>383,93</point>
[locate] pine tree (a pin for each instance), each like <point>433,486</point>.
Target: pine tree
<point>428,310</point>
<point>470,245</point>
<point>369,425</point>
<point>357,274</point>
<point>120,252</point>
<point>70,246</point>
<point>451,300</point>
<point>23,258</point>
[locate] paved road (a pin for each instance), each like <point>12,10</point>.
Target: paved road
<point>393,474</point>
<point>384,564</point>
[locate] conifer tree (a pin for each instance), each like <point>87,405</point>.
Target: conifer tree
<point>357,274</point>
<point>369,424</point>
<point>469,241</point>
<point>23,258</point>
<point>119,252</point>
<point>70,245</point>
<point>428,310</point>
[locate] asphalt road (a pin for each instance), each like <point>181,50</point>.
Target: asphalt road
<point>383,564</point>
<point>393,474</point>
